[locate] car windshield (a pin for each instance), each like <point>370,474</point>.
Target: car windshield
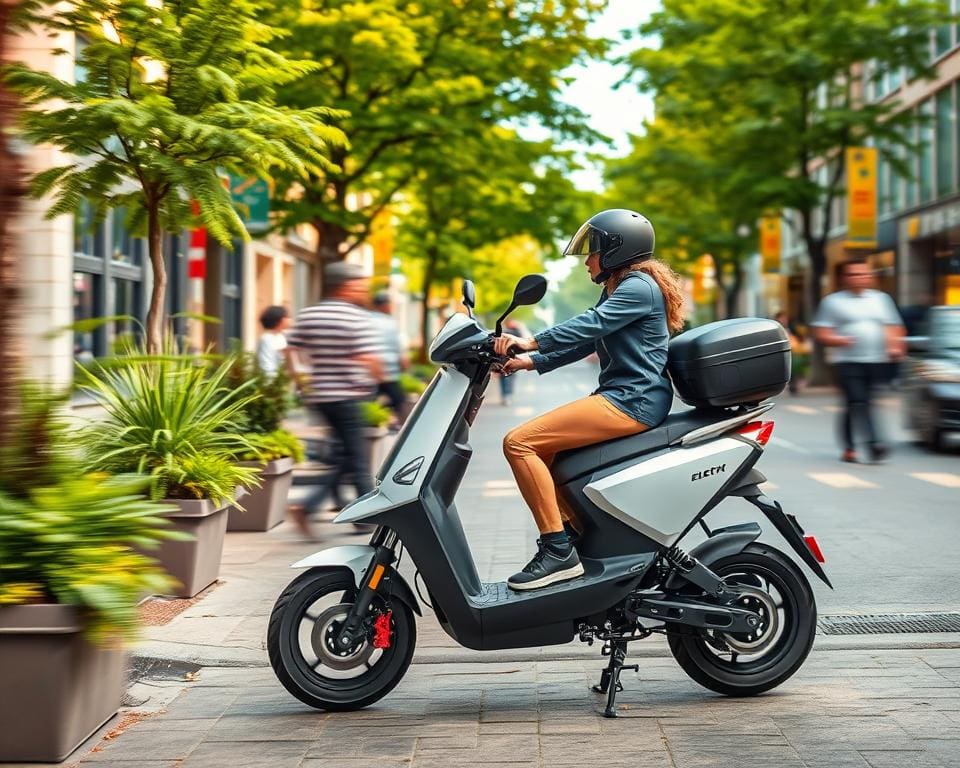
<point>945,328</point>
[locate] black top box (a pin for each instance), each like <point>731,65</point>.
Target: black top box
<point>730,362</point>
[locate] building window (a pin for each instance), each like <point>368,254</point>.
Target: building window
<point>945,142</point>
<point>126,303</point>
<point>86,344</point>
<point>105,285</point>
<point>926,151</point>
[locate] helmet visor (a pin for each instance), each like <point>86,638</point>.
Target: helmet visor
<point>590,239</point>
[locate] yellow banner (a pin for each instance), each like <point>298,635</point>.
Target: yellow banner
<point>770,242</point>
<point>861,197</point>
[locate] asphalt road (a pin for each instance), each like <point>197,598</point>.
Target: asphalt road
<point>890,532</point>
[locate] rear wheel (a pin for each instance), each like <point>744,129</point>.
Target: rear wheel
<point>304,622</point>
<point>745,665</point>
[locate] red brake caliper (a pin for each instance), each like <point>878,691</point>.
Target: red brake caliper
<point>382,631</point>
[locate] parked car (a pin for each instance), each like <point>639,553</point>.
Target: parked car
<point>931,378</point>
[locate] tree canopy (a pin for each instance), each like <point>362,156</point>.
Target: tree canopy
<point>170,96</point>
<point>790,72</point>
<point>417,78</point>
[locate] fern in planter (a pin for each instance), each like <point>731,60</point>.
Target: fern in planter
<point>68,537</point>
<point>173,417</point>
<point>411,385</point>
<point>376,414</point>
<point>265,411</point>
<point>278,444</point>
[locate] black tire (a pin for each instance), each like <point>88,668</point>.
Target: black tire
<point>302,679</point>
<point>696,652</point>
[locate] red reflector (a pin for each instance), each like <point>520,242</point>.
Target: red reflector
<point>814,548</point>
<point>758,431</point>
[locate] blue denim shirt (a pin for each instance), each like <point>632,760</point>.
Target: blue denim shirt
<point>628,331</point>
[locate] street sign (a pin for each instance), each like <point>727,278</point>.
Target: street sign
<point>770,244</point>
<point>861,197</point>
<point>251,197</point>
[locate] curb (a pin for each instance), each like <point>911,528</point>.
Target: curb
<point>160,653</point>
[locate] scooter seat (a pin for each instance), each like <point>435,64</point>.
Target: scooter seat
<point>570,465</point>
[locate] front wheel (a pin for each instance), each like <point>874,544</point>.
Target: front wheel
<point>305,620</point>
<point>745,665</point>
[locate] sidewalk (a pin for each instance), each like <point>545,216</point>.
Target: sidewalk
<point>204,695</point>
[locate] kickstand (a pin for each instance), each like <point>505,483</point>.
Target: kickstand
<point>610,677</point>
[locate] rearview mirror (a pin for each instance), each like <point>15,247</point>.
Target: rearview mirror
<point>469,296</point>
<point>530,289</point>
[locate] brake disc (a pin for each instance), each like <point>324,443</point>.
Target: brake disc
<point>761,603</point>
<point>324,633</point>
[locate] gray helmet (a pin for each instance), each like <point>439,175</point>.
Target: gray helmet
<point>621,237</point>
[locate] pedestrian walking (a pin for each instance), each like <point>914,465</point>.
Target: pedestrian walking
<point>395,359</point>
<point>862,327</point>
<point>272,346</point>
<point>339,344</point>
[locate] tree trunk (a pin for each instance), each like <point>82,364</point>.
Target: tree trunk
<point>11,191</point>
<point>816,251</point>
<point>429,274</point>
<point>155,314</point>
<point>331,238</point>
<point>732,293</point>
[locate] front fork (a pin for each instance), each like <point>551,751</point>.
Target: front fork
<point>352,631</point>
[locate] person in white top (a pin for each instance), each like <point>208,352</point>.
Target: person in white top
<point>272,347</point>
<point>865,331</point>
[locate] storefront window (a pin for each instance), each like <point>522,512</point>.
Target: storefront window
<point>945,142</point>
<point>85,300</point>
<point>124,248</point>
<point>87,239</point>
<point>126,302</point>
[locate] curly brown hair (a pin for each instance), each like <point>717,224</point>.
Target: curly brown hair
<point>670,286</point>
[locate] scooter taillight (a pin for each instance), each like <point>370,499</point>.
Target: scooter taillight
<point>814,547</point>
<point>758,431</point>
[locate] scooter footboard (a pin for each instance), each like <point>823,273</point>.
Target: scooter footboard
<point>355,559</point>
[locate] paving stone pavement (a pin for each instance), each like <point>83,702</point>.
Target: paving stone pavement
<point>843,709</point>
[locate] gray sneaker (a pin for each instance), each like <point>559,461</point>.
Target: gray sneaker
<point>546,568</point>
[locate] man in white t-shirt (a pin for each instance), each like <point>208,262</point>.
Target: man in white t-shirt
<point>271,349</point>
<point>866,333</point>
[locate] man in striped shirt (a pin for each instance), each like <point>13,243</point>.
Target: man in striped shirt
<point>339,344</point>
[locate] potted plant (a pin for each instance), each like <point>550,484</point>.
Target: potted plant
<point>376,416</point>
<point>273,450</point>
<point>413,388</point>
<point>174,417</point>
<point>272,456</point>
<point>71,575</point>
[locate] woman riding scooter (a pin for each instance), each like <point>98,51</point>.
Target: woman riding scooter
<point>629,328</point>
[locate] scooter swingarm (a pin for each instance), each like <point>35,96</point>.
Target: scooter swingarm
<point>696,614</point>
<point>355,559</point>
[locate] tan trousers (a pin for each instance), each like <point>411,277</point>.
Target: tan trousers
<point>530,449</point>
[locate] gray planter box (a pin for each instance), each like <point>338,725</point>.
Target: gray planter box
<point>58,688</point>
<point>266,506</point>
<point>195,564</point>
<point>376,441</point>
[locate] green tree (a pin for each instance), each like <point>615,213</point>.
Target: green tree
<point>413,76</point>
<point>700,199</point>
<point>482,191</point>
<point>172,95</point>
<point>791,70</point>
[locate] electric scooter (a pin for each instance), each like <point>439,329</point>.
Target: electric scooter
<point>738,614</point>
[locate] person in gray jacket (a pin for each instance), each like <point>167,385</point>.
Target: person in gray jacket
<point>641,304</point>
